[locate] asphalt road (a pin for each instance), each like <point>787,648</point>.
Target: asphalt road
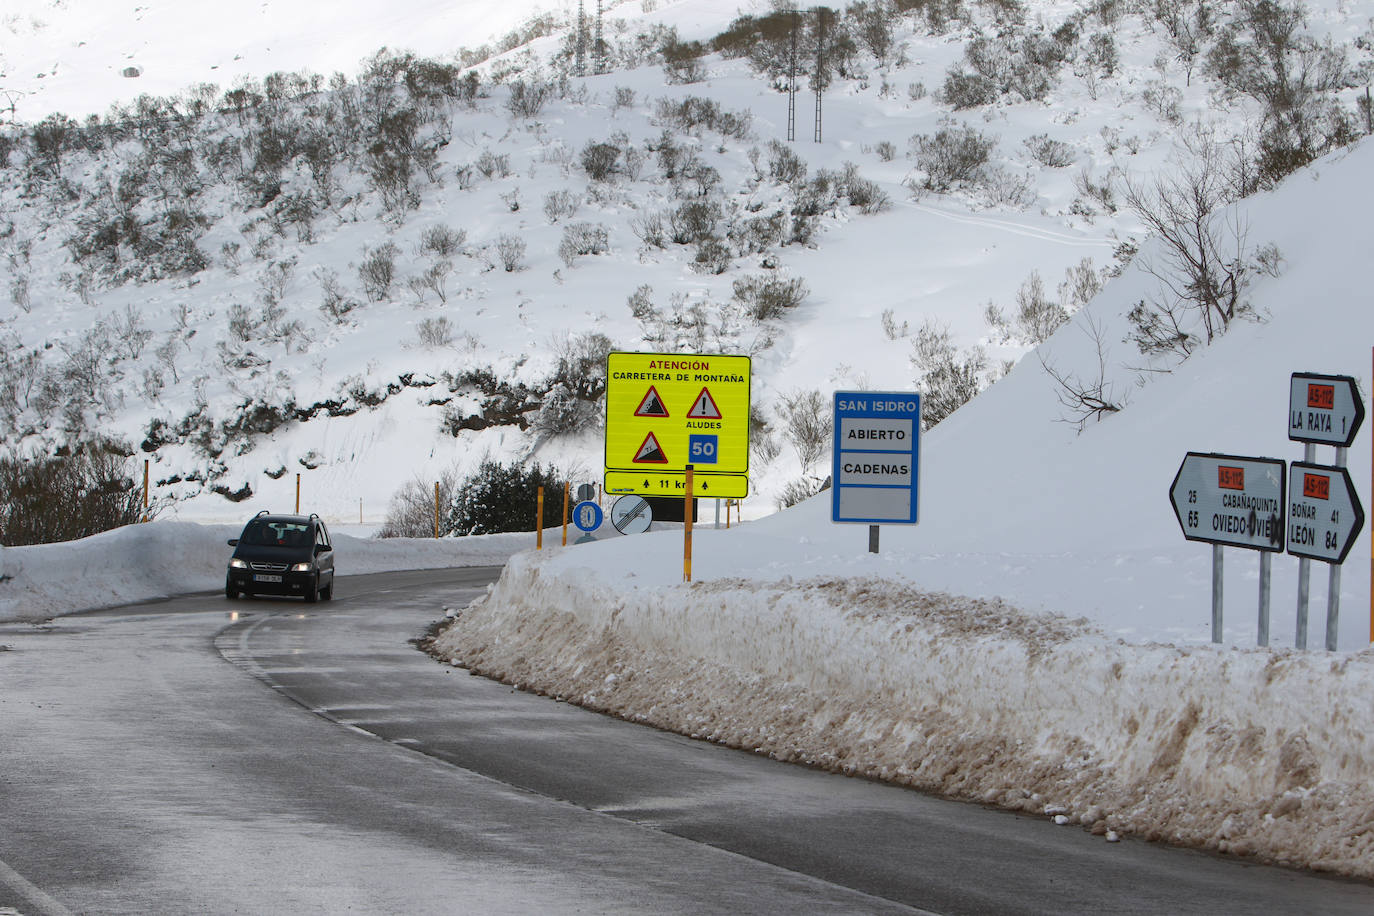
<point>333,768</point>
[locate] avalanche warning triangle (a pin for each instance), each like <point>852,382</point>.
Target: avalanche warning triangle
<point>704,407</point>
<point>652,405</point>
<point>650,452</point>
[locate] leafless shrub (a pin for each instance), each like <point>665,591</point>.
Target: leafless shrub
<point>435,333</point>
<point>561,204</point>
<point>377,272</point>
<point>649,229</point>
<point>510,251</point>
<point>1055,154</point>
<point>891,329</point>
<point>946,378</point>
<point>766,297</point>
<point>582,239</point>
<point>492,165</point>
<point>807,425</point>
<point>414,508</point>
<point>527,98</point>
<point>1204,262</point>
<point>442,242</point>
<point>336,303</point>
<point>1084,398</point>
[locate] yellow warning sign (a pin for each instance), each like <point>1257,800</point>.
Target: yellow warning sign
<point>667,410</point>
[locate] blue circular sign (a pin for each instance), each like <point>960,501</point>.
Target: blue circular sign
<point>587,516</point>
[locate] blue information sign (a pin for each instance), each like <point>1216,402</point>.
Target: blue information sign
<point>587,516</point>
<point>876,457</point>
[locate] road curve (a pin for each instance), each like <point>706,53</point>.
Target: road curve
<point>885,842</point>
<point>139,773</point>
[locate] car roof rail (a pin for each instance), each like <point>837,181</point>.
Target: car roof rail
<point>262,513</point>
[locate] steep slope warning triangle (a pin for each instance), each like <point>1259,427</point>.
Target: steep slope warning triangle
<point>652,405</point>
<point>704,407</point>
<point>650,452</point>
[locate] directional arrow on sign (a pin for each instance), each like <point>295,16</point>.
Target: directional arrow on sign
<point>1229,499</point>
<point>1324,515</point>
<point>1326,409</point>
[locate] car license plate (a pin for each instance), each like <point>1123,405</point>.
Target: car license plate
<point>262,578</point>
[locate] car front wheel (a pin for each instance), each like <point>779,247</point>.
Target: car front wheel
<point>313,594</point>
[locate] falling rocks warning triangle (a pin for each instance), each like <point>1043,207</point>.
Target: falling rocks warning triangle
<point>704,407</point>
<point>650,452</point>
<point>652,405</point>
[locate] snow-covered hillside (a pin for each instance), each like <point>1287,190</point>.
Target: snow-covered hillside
<point>223,306</point>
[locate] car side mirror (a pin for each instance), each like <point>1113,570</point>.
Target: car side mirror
<point>233,542</point>
<point>321,548</point>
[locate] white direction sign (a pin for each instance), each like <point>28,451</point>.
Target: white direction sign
<point>1324,514</point>
<point>1326,409</point>
<point>1226,499</point>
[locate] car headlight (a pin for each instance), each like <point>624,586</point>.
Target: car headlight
<point>301,567</point>
<point>236,563</point>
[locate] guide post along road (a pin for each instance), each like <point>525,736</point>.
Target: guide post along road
<point>665,411</point>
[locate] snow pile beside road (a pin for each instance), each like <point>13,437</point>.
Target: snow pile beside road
<point>146,562</point>
<point>1248,751</point>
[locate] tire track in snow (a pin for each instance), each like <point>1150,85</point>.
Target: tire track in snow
<point>1045,235</point>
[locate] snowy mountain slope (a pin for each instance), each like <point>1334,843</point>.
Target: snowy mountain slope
<point>940,257</point>
<point>1039,640</point>
<point>60,55</point>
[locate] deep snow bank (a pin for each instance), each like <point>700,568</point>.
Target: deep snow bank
<point>144,562</point>
<point>1254,752</point>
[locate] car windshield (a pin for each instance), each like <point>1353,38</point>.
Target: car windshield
<point>276,534</point>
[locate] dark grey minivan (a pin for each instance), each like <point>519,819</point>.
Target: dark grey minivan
<point>282,555</point>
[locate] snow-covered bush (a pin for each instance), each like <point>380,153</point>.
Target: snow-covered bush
<point>510,252</point>
<point>946,378</point>
<point>527,97</point>
<point>441,241</point>
<point>61,498</point>
<point>766,297</point>
<point>377,272</point>
<point>1055,154</point>
<point>413,510</point>
<point>560,204</point>
<point>953,155</point>
<point>581,239</point>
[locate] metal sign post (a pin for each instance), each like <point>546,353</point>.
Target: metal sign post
<point>687,530</point>
<point>875,461</point>
<point>1236,501</point>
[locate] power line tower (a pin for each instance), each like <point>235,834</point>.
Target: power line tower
<point>599,43</point>
<point>580,58</point>
<point>821,13</point>
<point>792,77</point>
